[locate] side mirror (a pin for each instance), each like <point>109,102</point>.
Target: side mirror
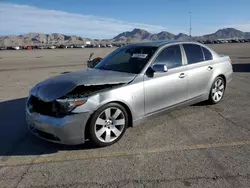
<point>160,67</point>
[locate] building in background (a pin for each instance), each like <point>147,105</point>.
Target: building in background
<point>87,42</point>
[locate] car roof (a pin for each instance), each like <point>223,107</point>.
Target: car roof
<point>159,43</point>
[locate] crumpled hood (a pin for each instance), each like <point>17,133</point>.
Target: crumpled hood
<point>58,86</point>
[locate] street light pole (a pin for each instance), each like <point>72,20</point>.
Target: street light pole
<point>190,25</point>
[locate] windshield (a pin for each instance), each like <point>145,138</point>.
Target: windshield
<point>127,59</point>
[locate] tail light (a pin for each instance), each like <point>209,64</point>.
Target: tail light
<point>231,61</point>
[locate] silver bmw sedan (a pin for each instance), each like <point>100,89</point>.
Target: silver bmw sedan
<point>130,85</point>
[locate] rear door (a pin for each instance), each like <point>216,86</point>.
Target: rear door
<point>199,69</point>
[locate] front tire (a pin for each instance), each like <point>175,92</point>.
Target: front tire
<point>217,90</point>
<point>108,124</point>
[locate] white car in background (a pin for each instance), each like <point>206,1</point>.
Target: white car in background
<point>52,47</point>
<point>17,47</point>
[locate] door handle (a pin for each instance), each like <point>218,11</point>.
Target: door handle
<point>209,68</point>
<point>182,75</point>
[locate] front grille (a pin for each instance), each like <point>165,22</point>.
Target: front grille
<point>44,108</point>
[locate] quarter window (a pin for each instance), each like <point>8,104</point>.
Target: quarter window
<point>207,54</point>
<point>171,56</point>
<point>194,53</point>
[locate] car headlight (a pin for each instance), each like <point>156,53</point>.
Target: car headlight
<point>68,105</point>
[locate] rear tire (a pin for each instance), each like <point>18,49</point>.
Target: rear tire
<point>108,124</point>
<point>217,90</point>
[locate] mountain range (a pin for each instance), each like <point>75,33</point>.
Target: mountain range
<point>142,35</point>
<point>40,39</point>
<point>135,35</point>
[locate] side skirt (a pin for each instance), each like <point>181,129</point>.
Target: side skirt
<point>169,109</point>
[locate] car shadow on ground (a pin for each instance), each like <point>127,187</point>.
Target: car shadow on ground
<point>243,67</point>
<point>15,138</point>
<point>203,103</point>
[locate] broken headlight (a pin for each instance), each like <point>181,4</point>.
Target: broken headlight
<point>67,105</point>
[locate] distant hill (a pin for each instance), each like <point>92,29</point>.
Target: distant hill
<point>135,35</point>
<point>142,35</point>
<point>164,35</point>
<point>40,38</point>
<point>228,33</point>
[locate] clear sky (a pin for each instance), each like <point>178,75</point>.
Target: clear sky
<point>107,18</point>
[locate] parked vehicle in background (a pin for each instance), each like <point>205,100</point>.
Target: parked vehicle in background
<point>61,46</point>
<point>79,46</point>
<point>209,42</point>
<point>51,47</point>
<point>109,45</point>
<point>130,85</point>
<point>235,41</point>
<point>16,48</point>
<point>29,47</point>
<point>89,46</point>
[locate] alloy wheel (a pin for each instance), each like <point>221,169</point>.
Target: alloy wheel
<point>109,125</point>
<point>218,90</point>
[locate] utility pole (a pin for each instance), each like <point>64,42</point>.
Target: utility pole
<point>190,25</point>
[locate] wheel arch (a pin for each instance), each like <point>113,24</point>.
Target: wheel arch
<point>130,116</point>
<point>210,99</point>
<point>224,78</point>
<point>217,73</point>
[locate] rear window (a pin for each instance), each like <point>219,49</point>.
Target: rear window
<point>207,54</point>
<point>194,53</point>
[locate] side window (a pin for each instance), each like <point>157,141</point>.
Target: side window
<point>194,53</point>
<point>207,54</point>
<point>171,56</point>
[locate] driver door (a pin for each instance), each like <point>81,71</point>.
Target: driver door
<point>165,89</point>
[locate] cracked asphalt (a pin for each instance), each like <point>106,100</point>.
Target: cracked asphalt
<point>197,146</point>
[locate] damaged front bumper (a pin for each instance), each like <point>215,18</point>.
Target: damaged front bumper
<point>69,130</point>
